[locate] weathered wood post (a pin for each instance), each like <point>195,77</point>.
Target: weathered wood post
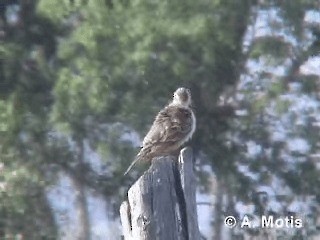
<point>162,202</point>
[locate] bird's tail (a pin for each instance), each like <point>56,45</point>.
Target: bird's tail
<point>142,155</point>
<point>132,165</point>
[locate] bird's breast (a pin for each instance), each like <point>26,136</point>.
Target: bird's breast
<point>192,128</point>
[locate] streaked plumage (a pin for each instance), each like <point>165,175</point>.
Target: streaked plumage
<point>173,126</point>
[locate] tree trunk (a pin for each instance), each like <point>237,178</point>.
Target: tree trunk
<point>218,211</point>
<point>81,199</point>
<point>82,213</point>
<point>162,203</point>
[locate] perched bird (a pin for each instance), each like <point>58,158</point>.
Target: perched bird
<point>173,126</point>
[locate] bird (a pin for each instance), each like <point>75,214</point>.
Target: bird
<point>173,126</point>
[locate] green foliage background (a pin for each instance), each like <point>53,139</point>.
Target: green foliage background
<point>87,71</point>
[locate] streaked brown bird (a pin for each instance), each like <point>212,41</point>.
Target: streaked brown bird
<point>173,126</point>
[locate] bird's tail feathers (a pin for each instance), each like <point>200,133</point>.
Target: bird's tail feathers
<point>141,155</point>
<point>131,165</point>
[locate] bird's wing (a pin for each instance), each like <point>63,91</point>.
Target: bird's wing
<point>172,124</point>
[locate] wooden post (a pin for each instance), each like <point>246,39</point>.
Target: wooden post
<point>161,203</point>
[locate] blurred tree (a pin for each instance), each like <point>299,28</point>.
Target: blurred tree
<point>27,44</point>
<point>117,53</point>
<point>82,74</point>
<point>277,121</point>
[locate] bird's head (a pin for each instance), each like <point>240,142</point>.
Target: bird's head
<point>182,96</point>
